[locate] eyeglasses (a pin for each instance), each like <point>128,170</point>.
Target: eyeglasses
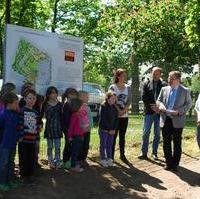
<point>171,78</point>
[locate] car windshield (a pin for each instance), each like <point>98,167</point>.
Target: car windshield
<point>92,88</point>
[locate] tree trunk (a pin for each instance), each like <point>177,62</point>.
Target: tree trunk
<point>8,5</point>
<point>135,85</point>
<point>54,23</point>
<point>1,44</point>
<point>199,61</point>
<point>1,54</point>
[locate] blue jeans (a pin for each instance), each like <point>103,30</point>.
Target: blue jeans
<point>148,121</point>
<point>6,165</point>
<point>53,143</point>
<point>198,135</point>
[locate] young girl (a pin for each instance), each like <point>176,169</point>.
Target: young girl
<point>28,144</point>
<point>86,125</point>
<point>53,131</point>
<point>9,133</point>
<point>68,95</point>
<point>6,88</point>
<point>75,135</point>
<point>108,124</point>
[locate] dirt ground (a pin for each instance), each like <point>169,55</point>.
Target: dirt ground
<point>138,179</point>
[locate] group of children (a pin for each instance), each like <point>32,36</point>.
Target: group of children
<point>21,122</point>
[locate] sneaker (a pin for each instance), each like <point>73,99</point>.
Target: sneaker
<point>77,169</point>
<point>67,165</point>
<point>14,184</point>
<point>142,157</point>
<point>4,187</point>
<point>58,165</point>
<point>110,162</point>
<point>104,163</point>
<point>52,165</point>
<point>85,163</point>
<point>38,165</point>
<point>155,157</point>
<point>29,181</point>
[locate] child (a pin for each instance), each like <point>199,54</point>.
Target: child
<point>69,94</point>
<point>53,132</point>
<point>28,144</point>
<point>75,135</point>
<point>37,107</point>
<point>6,88</point>
<point>108,124</point>
<point>9,134</point>
<point>86,125</point>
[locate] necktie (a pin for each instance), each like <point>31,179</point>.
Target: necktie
<point>171,99</point>
<point>155,90</point>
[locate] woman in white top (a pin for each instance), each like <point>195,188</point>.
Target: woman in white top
<point>197,108</point>
<point>123,93</point>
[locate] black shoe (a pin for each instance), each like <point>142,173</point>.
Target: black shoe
<point>155,157</point>
<point>123,158</point>
<point>143,157</point>
<point>175,169</point>
<point>38,165</point>
<point>167,168</point>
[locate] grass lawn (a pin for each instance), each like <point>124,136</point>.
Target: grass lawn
<point>133,139</point>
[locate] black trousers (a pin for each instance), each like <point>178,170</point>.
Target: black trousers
<point>172,135</point>
<point>86,145</point>
<point>26,158</point>
<point>122,127</point>
<point>67,150</point>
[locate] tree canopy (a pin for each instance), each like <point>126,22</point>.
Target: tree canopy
<point>119,33</point>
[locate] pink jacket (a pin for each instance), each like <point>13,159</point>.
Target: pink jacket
<point>74,126</point>
<point>85,120</point>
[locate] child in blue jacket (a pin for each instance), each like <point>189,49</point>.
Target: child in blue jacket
<point>10,131</point>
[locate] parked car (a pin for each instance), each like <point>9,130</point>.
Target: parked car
<point>96,97</point>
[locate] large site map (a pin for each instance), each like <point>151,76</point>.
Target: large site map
<point>32,63</point>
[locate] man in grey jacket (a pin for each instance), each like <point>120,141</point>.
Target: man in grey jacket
<point>173,101</point>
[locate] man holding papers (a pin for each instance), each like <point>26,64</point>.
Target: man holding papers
<point>173,101</point>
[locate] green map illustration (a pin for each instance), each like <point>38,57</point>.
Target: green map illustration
<point>32,63</point>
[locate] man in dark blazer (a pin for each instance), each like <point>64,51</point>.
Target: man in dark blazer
<point>173,101</point>
<point>150,92</point>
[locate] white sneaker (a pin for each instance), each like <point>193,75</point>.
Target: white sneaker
<point>110,162</point>
<point>104,163</point>
<point>77,169</point>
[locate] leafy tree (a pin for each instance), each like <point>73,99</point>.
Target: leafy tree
<point>195,83</point>
<point>192,26</point>
<point>164,38</point>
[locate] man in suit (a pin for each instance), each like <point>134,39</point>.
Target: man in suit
<point>150,92</point>
<point>173,101</point>
<point>197,108</point>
